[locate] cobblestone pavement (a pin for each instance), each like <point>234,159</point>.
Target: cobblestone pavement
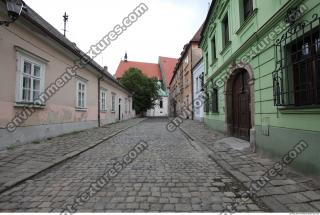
<point>21,162</point>
<point>288,192</point>
<point>171,175</point>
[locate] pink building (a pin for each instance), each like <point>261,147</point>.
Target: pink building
<point>39,96</point>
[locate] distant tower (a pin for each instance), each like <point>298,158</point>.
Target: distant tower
<point>65,20</point>
<point>126,57</point>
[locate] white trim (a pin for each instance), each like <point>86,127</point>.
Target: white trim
<point>105,92</point>
<point>113,102</point>
<point>22,57</point>
<point>82,91</point>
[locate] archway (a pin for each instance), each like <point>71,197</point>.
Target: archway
<point>240,105</point>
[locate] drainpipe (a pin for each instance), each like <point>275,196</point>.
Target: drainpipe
<point>99,101</point>
<point>192,96</point>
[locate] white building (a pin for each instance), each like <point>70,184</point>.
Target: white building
<point>198,75</point>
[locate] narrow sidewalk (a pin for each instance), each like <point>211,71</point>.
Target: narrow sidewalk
<point>288,192</point>
<point>23,162</point>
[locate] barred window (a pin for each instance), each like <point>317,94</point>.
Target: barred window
<point>297,76</point>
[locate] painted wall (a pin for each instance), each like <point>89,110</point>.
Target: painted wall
<point>157,111</point>
<point>274,131</point>
<point>59,115</point>
<point>181,87</point>
<point>197,73</point>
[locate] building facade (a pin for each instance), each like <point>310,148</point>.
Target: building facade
<point>181,92</point>
<point>162,71</point>
<point>198,90</point>
<point>262,75</point>
<point>39,97</point>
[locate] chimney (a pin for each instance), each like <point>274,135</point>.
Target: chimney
<point>126,57</point>
<point>105,69</point>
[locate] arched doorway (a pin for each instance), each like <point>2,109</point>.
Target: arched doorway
<point>239,109</point>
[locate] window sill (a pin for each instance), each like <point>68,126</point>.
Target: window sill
<point>247,21</point>
<point>28,105</point>
<point>214,62</point>
<point>81,109</point>
<point>300,110</point>
<point>226,47</point>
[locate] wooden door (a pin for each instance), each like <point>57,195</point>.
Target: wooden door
<point>241,111</point>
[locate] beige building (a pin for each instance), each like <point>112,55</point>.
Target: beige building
<point>39,96</point>
<point>181,85</point>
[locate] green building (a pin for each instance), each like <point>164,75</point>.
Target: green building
<point>262,60</point>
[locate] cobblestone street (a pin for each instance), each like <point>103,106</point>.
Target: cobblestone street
<point>174,174</point>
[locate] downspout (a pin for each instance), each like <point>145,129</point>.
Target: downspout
<point>99,101</point>
<point>192,96</point>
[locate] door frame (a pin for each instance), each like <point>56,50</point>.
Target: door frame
<point>233,71</point>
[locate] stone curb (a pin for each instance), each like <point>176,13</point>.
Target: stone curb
<point>25,177</point>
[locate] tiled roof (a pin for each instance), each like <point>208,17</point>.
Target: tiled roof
<point>167,65</point>
<point>151,70</point>
<point>196,39</point>
<point>197,36</point>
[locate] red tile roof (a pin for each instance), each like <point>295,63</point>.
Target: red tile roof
<point>151,70</point>
<point>167,65</point>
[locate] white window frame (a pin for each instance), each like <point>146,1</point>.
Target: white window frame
<point>113,102</point>
<point>103,100</point>
<point>84,106</point>
<point>23,57</point>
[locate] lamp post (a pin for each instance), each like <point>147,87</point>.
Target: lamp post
<point>14,8</point>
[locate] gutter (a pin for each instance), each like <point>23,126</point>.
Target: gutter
<point>28,16</point>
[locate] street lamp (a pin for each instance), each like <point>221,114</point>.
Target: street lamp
<point>14,8</point>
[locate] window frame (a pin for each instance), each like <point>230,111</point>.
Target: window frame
<point>247,15</point>
<point>103,104</point>
<point>84,83</point>
<point>226,30</point>
<point>161,103</point>
<point>23,57</point>
<point>213,44</point>
<point>214,100</point>
<point>113,102</point>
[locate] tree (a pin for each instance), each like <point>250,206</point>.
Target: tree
<point>144,89</point>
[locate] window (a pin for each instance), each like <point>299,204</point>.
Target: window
<point>186,61</point>
<point>214,101</point>
<point>126,105</point>
<point>197,84</point>
<point>103,100</point>
<point>296,80</point>
<point>305,59</point>
<point>30,79</point>
<point>207,102</point>
<point>161,104</point>
<point>247,8</point>
<point>113,106</point>
<point>81,94</point>
<point>225,24</point>
<point>207,63</point>
<point>213,49</point>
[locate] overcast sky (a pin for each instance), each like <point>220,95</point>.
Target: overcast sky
<point>162,31</point>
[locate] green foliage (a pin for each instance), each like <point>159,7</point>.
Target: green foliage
<point>144,89</point>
